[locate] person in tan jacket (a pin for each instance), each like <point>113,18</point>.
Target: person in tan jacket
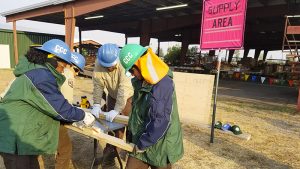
<point>110,75</point>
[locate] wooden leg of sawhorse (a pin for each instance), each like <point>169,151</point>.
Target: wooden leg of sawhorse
<point>94,153</point>
<point>94,162</point>
<point>119,158</point>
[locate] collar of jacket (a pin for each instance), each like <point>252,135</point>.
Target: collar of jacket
<point>60,79</point>
<point>24,66</point>
<point>141,85</point>
<point>144,86</point>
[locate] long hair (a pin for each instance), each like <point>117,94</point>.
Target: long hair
<point>37,56</point>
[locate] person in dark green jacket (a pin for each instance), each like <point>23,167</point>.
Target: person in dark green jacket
<point>32,108</point>
<point>154,125</point>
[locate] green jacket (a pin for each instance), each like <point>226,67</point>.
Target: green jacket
<point>154,122</point>
<point>31,111</point>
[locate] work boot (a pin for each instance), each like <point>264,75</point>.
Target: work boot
<point>109,155</point>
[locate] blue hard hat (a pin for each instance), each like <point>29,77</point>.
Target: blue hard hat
<point>108,55</point>
<point>58,48</point>
<point>78,60</point>
<point>226,127</point>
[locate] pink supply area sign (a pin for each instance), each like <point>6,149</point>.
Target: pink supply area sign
<point>223,24</point>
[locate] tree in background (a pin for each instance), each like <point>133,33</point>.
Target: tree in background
<point>193,51</point>
<point>173,55</point>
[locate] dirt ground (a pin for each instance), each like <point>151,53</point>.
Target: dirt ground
<point>273,124</point>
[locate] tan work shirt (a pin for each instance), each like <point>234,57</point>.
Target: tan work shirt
<point>116,82</point>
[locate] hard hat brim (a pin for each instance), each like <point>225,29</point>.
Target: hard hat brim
<point>41,48</point>
<point>108,64</point>
<point>140,54</point>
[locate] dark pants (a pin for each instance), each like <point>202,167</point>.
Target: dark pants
<point>133,163</point>
<point>14,161</point>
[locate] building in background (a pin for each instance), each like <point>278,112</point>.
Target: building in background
<point>25,39</point>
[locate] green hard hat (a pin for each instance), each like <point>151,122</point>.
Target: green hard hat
<point>218,125</point>
<point>236,130</point>
<point>129,54</point>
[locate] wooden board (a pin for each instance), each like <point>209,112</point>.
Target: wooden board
<point>194,96</point>
<point>118,119</point>
<point>90,132</point>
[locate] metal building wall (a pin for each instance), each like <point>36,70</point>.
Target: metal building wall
<point>25,39</point>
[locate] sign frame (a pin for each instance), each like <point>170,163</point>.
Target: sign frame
<point>239,33</point>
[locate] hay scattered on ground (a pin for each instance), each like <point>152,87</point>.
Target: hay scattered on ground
<point>275,141</point>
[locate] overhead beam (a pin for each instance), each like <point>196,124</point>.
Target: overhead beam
<point>80,7</point>
<point>34,13</point>
<point>88,6</point>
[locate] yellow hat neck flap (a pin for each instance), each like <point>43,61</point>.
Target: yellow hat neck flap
<point>152,68</point>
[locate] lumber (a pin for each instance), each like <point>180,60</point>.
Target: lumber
<point>118,119</point>
<point>90,132</point>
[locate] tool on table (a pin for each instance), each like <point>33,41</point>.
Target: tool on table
<point>84,102</point>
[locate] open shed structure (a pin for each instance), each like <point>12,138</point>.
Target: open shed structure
<point>265,22</point>
<point>140,18</point>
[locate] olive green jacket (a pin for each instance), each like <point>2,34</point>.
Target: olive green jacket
<point>31,111</point>
<point>154,122</point>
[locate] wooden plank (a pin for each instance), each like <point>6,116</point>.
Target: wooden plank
<point>118,119</point>
<point>194,96</point>
<point>90,132</point>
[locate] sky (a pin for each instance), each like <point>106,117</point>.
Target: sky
<point>99,36</point>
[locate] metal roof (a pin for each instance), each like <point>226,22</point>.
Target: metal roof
<point>264,23</point>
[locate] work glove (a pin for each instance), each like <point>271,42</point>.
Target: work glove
<point>137,150</point>
<point>96,110</point>
<point>89,119</point>
<point>109,116</point>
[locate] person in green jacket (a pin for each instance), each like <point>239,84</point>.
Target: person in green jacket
<point>153,125</point>
<point>33,107</point>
